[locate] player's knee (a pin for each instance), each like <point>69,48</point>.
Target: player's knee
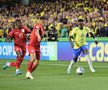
<point>19,53</point>
<point>37,62</point>
<point>32,59</point>
<point>75,59</point>
<point>18,62</point>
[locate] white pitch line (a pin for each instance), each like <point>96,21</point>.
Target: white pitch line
<point>63,65</point>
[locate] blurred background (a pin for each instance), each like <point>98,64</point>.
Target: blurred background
<point>60,16</point>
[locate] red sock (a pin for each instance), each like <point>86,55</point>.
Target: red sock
<point>12,64</point>
<point>29,66</point>
<point>18,62</point>
<point>33,67</point>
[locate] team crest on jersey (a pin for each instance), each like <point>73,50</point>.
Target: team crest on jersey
<point>22,30</point>
<point>17,49</point>
<point>37,27</point>
<point>32,51</point>
<point>82,34</point>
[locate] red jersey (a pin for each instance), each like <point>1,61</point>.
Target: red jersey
<point>19,36</point>
<point>33,37</point>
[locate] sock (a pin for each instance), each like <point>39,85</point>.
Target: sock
<point>89,61</point>
<point>12,64</point>
<point>8,63</point>
<point>18,62</point>
<point>33,67</point>
<point>71,64</point>
<point>17,70</point>
<point>29,66</point>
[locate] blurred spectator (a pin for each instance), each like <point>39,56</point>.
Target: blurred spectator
<point>52,34</point>
<point>64,32</point>
<point>45,27</point>
<point>63,14</point>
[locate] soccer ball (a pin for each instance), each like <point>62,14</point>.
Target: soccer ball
<point>80,71</point>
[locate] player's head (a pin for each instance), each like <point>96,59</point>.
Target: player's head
<point>41,21</point>
<point>12,25</point>
<point>18,24</point>
<point>81,22</point>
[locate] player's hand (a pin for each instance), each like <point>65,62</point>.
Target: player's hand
<point>96,42</point>
<point>72,45</point>
<point>6,40</point>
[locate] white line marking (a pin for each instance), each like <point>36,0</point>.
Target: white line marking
<point>63,65</point>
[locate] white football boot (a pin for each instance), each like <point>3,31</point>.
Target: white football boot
<point>29,76</point>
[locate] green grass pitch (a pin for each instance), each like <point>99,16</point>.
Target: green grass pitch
<point>51,75</point>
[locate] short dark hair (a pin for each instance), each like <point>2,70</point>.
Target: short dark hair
<point>18,20</point>
<point>80,20</point>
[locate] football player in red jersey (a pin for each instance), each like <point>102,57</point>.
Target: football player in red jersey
<point>34,49</point>
<point>19,34</point>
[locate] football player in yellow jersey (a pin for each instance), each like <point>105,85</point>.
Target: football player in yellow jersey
<point>78,34</point>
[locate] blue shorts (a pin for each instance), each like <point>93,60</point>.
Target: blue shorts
<point>77,52</point>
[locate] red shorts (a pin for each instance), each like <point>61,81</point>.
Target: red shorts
<point>22,50</point>
<point>32,49</point>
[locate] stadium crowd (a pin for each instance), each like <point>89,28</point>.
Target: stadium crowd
<point>59,16</point>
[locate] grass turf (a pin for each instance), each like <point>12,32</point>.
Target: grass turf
<point>51,75</point>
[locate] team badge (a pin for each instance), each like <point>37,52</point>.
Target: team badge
<point>32,51</point>
<point>23,30</point>
<point>37,27</point>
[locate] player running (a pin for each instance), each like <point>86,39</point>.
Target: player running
<point>19,34</point>
<point>78,34</point>
<point>34,49</point>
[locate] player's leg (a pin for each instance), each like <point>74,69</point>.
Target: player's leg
<point>7,64</point>
<point>13,64</point>
<point>76,53</point>
<point>30,64</point>
<point>36,62</point>
<point>32,54</point>
<point>20,57</point>
<point>89,61</point>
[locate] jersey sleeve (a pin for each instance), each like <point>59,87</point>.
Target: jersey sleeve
<point>72,33</point>
<point>41,31</point>
<point>36,29</point>
<point>26,30</point>
<point>39,27</point>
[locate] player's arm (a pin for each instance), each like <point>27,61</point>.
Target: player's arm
<point>28,32</point>
<point>71,37</point>
<point>41,32</point>
<point>96,42</point>
<point>28,36</point>
<point>37,34</point>
<point>71,42</point>
<point>8,39</point>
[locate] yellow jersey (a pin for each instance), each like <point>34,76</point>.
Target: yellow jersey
<point>79,36</point>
